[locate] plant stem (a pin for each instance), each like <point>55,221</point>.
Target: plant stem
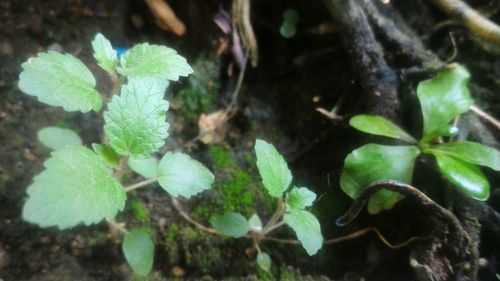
<point>273,227</point>
<point>140,184</point>
<point>272,223</point>
<point>184,215</point>
<point>120,170</point>
<point>117,82</point>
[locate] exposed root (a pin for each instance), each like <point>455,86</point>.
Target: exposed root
<point>378,79</point>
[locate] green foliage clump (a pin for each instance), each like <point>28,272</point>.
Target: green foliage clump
<point>80,185</point>
<point>234,188</point>
<point>291,210</point>
<point>442,99</point>
<point>140,212</point>
<point>202,88</point>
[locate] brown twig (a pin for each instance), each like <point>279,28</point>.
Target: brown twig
<point>485,116</point>
<point>473,20</point>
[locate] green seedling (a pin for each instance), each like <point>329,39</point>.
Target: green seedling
<point>84,186</point>
<point>291,210</point>
<point>442,99</point>
<point>288,27</point>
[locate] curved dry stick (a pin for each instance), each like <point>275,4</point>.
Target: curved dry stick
<point>349,237</point>
<point>485,116</point>
<point>473,20</point>
<point>429,206</point>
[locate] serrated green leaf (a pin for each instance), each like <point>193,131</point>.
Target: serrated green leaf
<point>471,152</point>
<point>138,248</point>
<point>466,177</point>
<point>146,60</point>
<point>380,126</point>
<point>57,138</point>
<point>374,162</point>
<point>76,186</point>
<point>135,122</point>
<point>104,53</point>
<point>60,80</point>
<point>443,98</point>
<point>107,154</point>
<point>181,175</point>
<point>300,198</point>
<point>231,224</point>
<point>273,168</point>
<point>254,223</point>
<point>147,168</point>
<point>264,261</point>
<point>307,228</point>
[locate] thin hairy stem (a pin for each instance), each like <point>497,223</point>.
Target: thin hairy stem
<point>185,216</point>
<point>140,184</point>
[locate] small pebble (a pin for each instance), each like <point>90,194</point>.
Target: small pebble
<point>177,271</point>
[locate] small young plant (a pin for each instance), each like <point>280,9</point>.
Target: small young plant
<point>291,209</point>
<point>80,185</point>
<point>442,99</point>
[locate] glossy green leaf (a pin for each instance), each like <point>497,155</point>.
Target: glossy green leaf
<point>374,162</point>
<point>288,30</point>
<point>147,168</point>
<point>471,152</point>
<point>307,228</point>
<point>380,126</point>
<point>443,131</point>
<point>104,53</point>
<point>291,15</point>
<point>254,223</point>
<point>57,138</point>
<point>138,248</point>
<point>76,186</point>
<point>60,80</point>
<point>231,224</point>
<point>466,177</point>
<point>107,154</point>
<point>264,261</point>
<point>145,60</point>
<point>273,168</point>
<point>443,98</point>
<point>299,198</point>
<point>181,175</point>
<point>135,122</point>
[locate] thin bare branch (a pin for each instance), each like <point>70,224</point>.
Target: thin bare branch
<point>473,20</point>
<point>485,116</point>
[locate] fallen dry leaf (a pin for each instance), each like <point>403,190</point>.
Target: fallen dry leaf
<point>211,126</point>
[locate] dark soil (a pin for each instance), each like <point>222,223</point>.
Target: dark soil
<point>278,103</point>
